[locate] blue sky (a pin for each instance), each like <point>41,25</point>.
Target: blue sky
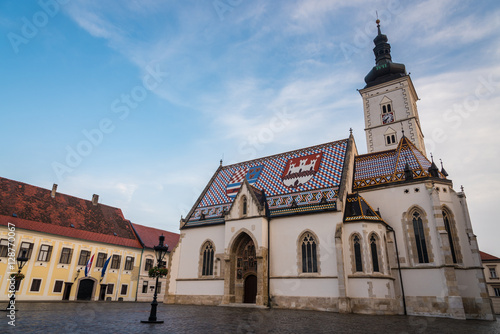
<point>137,101</point>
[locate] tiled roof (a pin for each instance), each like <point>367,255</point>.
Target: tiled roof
<point>388,166</point>
<point>357,208</point>
<point>36,206</point>
<point>303,177</point>
<point>150,236</point>
<point>488,257</point>
<point>69,232</point>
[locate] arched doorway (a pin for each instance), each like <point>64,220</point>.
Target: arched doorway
<point>85,289</point>
<point>250,293</point>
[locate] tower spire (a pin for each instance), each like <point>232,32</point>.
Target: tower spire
<point>384,70</point>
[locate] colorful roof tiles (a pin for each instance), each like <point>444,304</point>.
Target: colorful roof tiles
<point>389,166</point>
<point>302,177</point>
<point>357,208</point>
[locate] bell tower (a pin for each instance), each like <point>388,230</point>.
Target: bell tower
<point>389,102</point>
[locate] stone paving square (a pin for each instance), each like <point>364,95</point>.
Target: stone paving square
<point>102,317</point>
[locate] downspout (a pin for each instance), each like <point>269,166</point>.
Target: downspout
<point>268,263</point>
<point>139,274</point>
<point>390,229</point>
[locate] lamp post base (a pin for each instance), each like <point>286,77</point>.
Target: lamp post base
<point>152,321</point>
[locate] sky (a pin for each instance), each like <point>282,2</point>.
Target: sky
<point>138,101</point>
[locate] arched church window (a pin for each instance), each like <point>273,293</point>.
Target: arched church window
<point>418,230</point>
<point>374,251</point>
<point>244,205</point>
<point>452,236</point>
<point>207,254</point>
<point>309,253</point>
<point>357,253</point>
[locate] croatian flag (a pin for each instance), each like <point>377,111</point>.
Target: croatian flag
<point>103,271</point>
<point>89,265</point>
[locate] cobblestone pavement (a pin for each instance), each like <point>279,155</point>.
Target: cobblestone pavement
<point>115,317</point>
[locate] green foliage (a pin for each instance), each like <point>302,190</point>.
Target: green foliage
<point>158,272</point>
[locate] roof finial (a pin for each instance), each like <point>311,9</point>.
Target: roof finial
<point>432,158</point>
<point>402,129</point>
<point>443,171</point>
<point>378,24</point>
<point>462,188</point>
<point>350,131</point>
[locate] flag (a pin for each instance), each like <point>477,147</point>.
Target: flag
<point>103,271</point>
<point>89,265</point>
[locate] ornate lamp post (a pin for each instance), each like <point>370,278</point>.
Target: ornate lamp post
<point>160,252</point>
<point>21,262</point>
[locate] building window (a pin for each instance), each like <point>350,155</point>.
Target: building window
<point>418,230</point>
<point>109,290</point>
<point>44,253</point>
<point>66,254</point>
<point>4,247</point>
<point>35,285</point>
<point>309,253</point>
<point>58,286</point>
<point>390,139</point>
<point>129,263</point>
<point>115,262</point>
<point>497,292</point>
<point>148,265</point>
<point>145,287</point>
<point>124,289</point>
<point>84,257</point>
<point>374,251</point>
<point>357,253</point>
<point>493,272</point>
<point>207,259</point>
<point>244,204</point>
<point>452,237</point>
<point>101,258</point>
<point>159,288</point>
<point>28,247</point>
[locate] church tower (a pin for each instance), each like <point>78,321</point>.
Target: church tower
<point>389,102</point>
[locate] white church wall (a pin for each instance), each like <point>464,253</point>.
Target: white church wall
<point>256,227</point>
<point>468,283</point>
<point>284,238</point>
<point>304,287</point>
<point>417,282</point>
<point>206,288</point>
<point>192,240</point>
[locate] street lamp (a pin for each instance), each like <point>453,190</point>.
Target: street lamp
<point>160,252</point>
<point>21,262</point>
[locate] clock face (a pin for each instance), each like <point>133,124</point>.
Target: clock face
<point>387,118</point>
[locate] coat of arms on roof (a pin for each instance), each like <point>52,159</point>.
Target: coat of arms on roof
<point>250,173</point>
<point>300,170</point>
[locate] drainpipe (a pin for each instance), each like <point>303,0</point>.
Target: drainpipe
<point>390,229</point>
<point>139,274</point>
<point>268,263</point>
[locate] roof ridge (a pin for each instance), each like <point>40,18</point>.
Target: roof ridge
<point>284,153</point>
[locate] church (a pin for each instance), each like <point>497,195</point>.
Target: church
<point>327,228</point>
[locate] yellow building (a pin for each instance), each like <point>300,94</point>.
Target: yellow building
<point>491,267</point>
<point>60,234</point>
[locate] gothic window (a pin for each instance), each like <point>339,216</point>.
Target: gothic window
<point>374,251</point>
<point>356,242</point>
<point>244,201</point>
<point>418,230</point>
<point>309,253</point>
<point>452,236</point>
<point>390,139</point>
<point>207,254</point>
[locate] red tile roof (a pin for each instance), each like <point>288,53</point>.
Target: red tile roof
<point>69,232</point>
<point>488,257</point>
<point>150,235</point>
<point>37,210</point>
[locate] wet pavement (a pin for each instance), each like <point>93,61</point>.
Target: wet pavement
<point>116,317</point>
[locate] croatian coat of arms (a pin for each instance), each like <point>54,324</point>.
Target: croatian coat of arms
<point>250,173</point>
<point>300,170</point>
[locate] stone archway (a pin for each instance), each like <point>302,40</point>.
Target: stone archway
<point>245,279</point>
<point>86,289</point>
